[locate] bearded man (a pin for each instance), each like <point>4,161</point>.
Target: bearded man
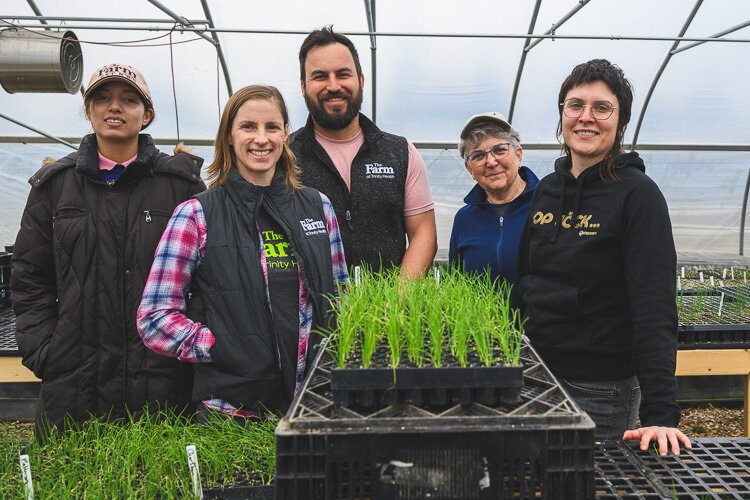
<point>377,182</point>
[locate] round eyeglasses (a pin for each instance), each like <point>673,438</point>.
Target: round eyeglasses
<point>498,151</point>
<point>600,110</point>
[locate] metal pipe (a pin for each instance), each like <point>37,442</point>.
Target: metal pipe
<point>29,127</point>
<point>181,20</point>
<point>43,19</point>
<point>522,61</point>
<point>715,35</point>
<point>370,12</point>
<point>664,63</point>
<point>742,215</point>
<point>38,12</point>
<point>215,36</point>
<point>400,34</point>
<point>564,19</point>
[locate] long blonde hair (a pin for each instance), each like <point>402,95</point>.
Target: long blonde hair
<point>224,159</point>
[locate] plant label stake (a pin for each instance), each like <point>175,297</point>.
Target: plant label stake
<point>724,274</point>
<point>357,275</point>
<point>700,276</point>
<point>195,473</point>
<point>721,302</point>
<point>437,275</point>
<point>682,272</point>
<point>712,280</point>
<point>744,276</point>
<point>732,270</point>
<point>679,284</point>
<point>721,283</point>
<point>28,485</point>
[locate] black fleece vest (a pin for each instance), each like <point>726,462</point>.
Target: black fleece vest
<point>246,367</point>
<point>371,215</point>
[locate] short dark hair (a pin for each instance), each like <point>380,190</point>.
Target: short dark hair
<point>321,38</point>
<point>612,75</point>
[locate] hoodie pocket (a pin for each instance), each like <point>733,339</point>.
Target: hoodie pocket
<point>555,318</point>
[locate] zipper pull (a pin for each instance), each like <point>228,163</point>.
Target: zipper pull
<point>148,215</point>
<point>501,222</point>
<point>349,219</point>
<point>110,184</point>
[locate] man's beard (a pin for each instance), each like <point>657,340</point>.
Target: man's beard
<point>339,120</point>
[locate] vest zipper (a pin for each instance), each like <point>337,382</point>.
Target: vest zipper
<point>349,218</point>
<point>274,333</point>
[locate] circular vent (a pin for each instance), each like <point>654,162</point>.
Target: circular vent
<point>40,61</point>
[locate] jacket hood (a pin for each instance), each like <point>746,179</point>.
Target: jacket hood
<point>625,160</point>
<point>477,195</point>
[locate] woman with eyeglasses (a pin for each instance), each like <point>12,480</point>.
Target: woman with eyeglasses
<point>597,269</point>
<point>487,230</point>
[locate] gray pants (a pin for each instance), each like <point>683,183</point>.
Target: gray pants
<point>611,404</point>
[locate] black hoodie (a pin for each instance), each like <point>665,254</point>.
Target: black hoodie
<point>596,270</point>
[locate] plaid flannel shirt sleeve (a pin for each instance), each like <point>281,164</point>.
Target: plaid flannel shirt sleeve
<point>162,320</point>
<point>340,272</point>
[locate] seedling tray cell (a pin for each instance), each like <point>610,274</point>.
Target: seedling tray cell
<point>378,387</point>
<point>8,346</point>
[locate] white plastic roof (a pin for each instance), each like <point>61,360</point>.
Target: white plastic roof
<point>429,79</point>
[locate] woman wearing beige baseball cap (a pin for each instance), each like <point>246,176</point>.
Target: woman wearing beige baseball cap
<point>86,244</point>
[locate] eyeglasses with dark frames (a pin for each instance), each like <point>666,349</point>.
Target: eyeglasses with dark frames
<point>600,110</point>
<point>498,151</point>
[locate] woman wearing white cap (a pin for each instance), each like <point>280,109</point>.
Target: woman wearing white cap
<point>486,231</point>
<point>82,256</point>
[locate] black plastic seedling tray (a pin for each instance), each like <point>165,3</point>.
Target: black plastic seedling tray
<point>8,346</point>
<point>538,447</point>
<point>713,469</point>
<point>380,387</point>
<point>713,336</point>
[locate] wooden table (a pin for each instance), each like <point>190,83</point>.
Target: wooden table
<point>718,362</point>
<point>11,371</point>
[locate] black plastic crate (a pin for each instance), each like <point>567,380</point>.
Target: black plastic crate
<point>379,387</point>
<point>539,447</point>
<point>713,469</point>
<point>241,493</point>
<point>8,346</point>
<point>713,336</point>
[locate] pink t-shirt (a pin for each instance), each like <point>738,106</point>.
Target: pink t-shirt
<point>417,198</point>
<point>107,164</point>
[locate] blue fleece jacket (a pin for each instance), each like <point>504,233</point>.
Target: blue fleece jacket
<point>480,239</point>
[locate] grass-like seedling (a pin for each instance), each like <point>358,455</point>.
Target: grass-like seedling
<point>465,320</point>
<point>142,458</point>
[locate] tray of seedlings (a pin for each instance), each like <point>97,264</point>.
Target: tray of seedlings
<point>429,341</point>
<point>144,458</point>
<point>541,446</point>
<point>713,469</point>
<point>714,315</point>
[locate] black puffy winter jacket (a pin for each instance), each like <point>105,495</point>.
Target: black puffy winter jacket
<point>81,260</point>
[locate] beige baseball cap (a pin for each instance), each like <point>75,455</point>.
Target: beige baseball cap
<point>121,73</point>
<point>491,117</point>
